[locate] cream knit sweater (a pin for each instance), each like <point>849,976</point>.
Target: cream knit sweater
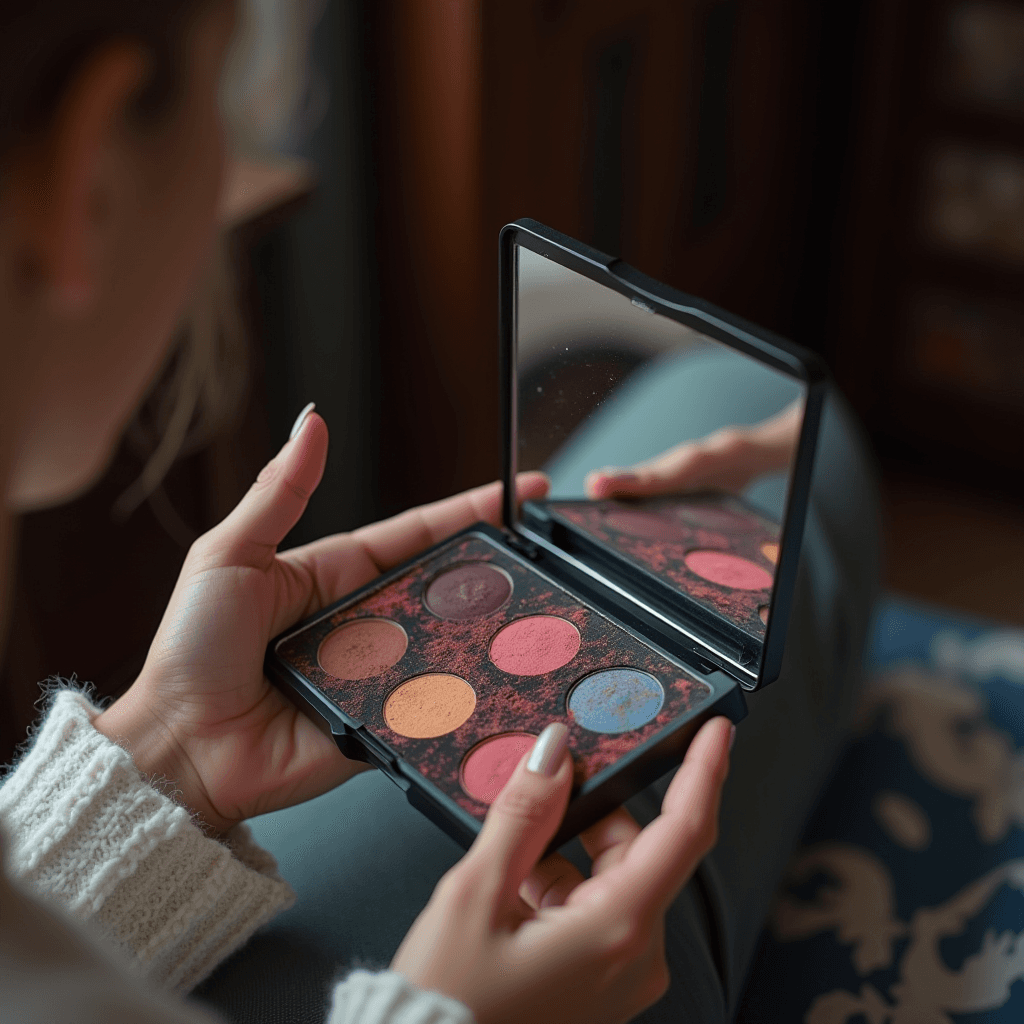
<point>141,904</point>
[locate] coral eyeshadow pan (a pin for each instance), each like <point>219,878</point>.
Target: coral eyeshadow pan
<point>362,648</point>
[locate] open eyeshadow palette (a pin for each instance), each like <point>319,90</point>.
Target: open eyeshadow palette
<point>632,622</point>
<point>460,662</point>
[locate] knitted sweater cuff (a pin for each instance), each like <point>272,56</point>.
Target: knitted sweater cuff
<point>389,998</point>
<point>87,831</point>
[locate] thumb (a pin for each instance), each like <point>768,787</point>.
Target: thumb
<point>249,535</point>
<point>527,812</point>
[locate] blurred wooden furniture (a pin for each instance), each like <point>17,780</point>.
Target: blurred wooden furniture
<point>682,135</point>
<point>929,323</point>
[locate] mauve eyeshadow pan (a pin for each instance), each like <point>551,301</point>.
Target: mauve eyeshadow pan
<point>468,591</point>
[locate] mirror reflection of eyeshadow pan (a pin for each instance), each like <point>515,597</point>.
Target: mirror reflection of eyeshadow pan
<point>771,552</point>
<point>535,645</point>
<point>646,525</point>
<point>616,700</point>
<point>429,705</point>
<point>362,648</point>
<point>468,591</point>
<point>490,764</point>
<point>728,570</point>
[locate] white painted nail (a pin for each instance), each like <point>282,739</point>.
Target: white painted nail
<point>300,419</point>
<point>547,752</point>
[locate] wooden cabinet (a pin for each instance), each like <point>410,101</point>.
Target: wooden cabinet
<point>929,325</point>
<point>682,135</point>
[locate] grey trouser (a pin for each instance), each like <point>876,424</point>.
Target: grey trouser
<point>364,863</point>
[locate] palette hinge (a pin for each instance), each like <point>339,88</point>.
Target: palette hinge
<point>524,547</point>
<point>385,758</point>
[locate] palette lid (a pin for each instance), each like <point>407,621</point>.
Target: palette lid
<point>716,419</point>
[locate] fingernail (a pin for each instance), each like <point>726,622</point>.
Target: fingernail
<point>549,749</point>
<point>732,736</point>
<point>300,419</point>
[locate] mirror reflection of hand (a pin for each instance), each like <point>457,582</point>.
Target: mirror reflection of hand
<point>727,460</point>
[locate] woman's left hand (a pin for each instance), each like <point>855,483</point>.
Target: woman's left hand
<point>201,714</point>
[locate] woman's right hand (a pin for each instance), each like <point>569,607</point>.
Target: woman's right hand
<point>516,940</point>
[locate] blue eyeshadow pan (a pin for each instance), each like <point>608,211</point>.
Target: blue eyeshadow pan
<point>616,700</point>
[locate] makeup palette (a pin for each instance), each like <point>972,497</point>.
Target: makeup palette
<point>631,621</point>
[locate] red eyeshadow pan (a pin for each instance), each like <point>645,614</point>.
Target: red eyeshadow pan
<point>489,765</point>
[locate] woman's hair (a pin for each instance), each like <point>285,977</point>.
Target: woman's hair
<point>42,44</point>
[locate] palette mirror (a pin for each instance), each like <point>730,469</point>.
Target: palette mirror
<point>670,452</point>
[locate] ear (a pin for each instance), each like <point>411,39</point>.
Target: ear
<point>62,167</point>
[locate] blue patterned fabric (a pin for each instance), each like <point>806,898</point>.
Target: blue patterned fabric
<point>905,902</point>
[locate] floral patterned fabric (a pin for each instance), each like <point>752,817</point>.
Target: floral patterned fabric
<point>905,902</point>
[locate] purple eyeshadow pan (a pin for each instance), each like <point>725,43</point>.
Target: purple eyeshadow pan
<point>469,591</point>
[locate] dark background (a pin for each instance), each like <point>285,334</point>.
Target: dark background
<point>834,172</point>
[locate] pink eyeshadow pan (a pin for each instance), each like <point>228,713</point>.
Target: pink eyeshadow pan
<point>535,645</point>
<point>728,570</point>
<point>490,764</point>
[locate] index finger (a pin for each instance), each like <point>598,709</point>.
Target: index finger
<point>334,566</point>
<point>661,859</point>
<point>394,540</point>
